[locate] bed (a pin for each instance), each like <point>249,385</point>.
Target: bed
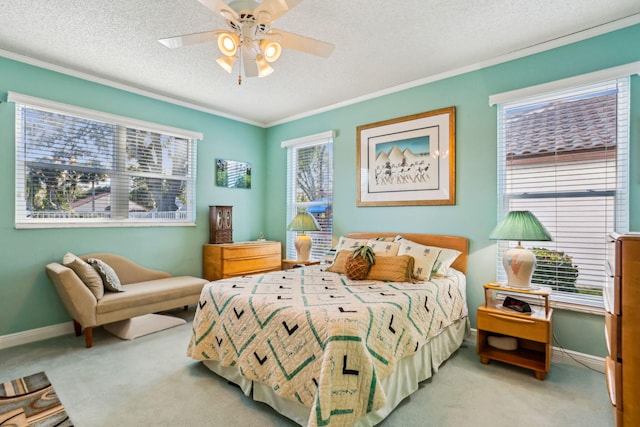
<point>327,351</point>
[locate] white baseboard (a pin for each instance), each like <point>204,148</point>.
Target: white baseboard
<point>565,357</point>
<point>33,335</point>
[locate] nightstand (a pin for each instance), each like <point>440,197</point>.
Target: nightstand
<point>288,264</point>
<point>533,331</point>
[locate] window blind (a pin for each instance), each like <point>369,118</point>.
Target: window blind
<point>564,157</point>
<point>77,167</point>
<point>310,187</point>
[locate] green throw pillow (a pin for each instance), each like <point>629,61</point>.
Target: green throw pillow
<point>109,276</point>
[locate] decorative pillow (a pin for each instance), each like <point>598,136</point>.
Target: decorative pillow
<point>109,276</point>
<point>383,247</point>
<point>329,257</point>
<point>444,261</point>
<point>349,243</point>
<point>425,257</point>
<point>86,273</point>
<point>340,262</point>
<point>393,269</point>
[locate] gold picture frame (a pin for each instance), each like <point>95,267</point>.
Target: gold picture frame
<point>408,160</point>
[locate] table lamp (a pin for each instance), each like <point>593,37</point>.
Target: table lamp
<point>519,262</point>
<point>303,221</point>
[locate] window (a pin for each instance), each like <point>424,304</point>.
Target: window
<point>79,167</point>
<point>310,187</point>
<point>564,156</point>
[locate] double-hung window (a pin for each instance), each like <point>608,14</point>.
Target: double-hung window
<point>563,155</point>
<point>310,188</point>
<point>84,168</point>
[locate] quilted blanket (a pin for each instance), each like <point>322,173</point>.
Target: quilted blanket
<point>318,338</point>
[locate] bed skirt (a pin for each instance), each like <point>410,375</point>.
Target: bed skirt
<point>401,383</point>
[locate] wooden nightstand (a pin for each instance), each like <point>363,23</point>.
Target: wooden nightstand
<point>289,263</point>
<point>533,331</point>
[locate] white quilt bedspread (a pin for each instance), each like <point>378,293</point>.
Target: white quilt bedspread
<point>317,338</point>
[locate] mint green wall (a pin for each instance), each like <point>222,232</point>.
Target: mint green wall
<point>27,298</point>
<point>474,214</point>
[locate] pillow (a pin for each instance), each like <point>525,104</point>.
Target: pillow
<point>383,248</point>
<point>340,262</point>
<point>109,276</point>
<point>392,269</point>
<point>86,273</point>
<point>349,243</point>
<point>444,261</point>
<point>425,257</point>
<point>329,257</point>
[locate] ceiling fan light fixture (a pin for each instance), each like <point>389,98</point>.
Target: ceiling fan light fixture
<point>264,69</point>
<point>228,44</point>
<point>226,62</point>
<point>271,50</point>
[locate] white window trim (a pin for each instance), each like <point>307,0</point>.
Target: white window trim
<point>58,107</point>
<point>309,139</point>
<point>626,70</point>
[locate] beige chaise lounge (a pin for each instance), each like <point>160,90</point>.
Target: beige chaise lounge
<point>145,291</point>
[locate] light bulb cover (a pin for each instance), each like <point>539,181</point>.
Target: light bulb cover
<point>226,62</point>
<point>228,43</point>
<point>271,50</point>
<point>264,69</point>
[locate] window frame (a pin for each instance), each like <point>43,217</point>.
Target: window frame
<point>292,145</point>
<point>122,124</point>
<point>560,89</point>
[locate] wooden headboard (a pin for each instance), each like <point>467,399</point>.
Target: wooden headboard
<point>452,242</point>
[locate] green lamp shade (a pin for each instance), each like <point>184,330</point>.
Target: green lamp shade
<point>520,226</point>
<point>304,221</point>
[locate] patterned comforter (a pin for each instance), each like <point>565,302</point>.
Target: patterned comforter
<point>318,338</point>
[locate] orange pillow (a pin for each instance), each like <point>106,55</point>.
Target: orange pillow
<point>392,269</point>
<point>340,261</point>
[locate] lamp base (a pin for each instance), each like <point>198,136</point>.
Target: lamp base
<point>303,247</point>
<point>519,264</point>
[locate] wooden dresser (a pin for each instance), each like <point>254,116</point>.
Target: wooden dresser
<point>221,261</point>
<point>622,327</point>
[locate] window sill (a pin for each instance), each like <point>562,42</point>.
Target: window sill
<point>103,224</point>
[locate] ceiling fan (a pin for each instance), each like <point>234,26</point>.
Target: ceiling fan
<point>250,40</point>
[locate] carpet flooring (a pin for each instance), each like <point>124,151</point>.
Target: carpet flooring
<point>150,382</point>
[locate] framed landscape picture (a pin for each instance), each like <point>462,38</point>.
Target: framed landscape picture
<point>233,174</point>
<point>407,161</point>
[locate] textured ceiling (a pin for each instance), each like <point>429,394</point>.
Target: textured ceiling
<point>379,45</point>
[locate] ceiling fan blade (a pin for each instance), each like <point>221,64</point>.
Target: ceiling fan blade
<point>221,8</point>
<point>271,10</point>
<point>189,39</point>
<point>301,43</point>
<point>249,63</point>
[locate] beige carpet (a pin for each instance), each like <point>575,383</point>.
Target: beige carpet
<point>142,325</point>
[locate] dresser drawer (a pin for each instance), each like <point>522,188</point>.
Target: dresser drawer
<point>519,326</point>
<point>250,251</point>
<point>243,266</point>
<point>613,325</point>
<point>239,259</point>
<point>613,374</point>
